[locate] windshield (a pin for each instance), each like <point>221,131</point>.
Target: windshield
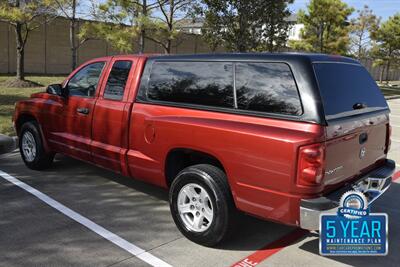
<point>347,89</point>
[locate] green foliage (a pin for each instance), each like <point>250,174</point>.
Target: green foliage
<point>120,37</point>
<point>246,25</point>
<point>386,49</point>
<point>388,34</point>
<point>24,16</point>
<point>275,23</point>
<point>233,23</point>
<point>126,20</point>
<point>27,12</point>
<point>115,24</point>
<point>326,29</point>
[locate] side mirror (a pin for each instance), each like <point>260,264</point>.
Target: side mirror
<point>54,89</point>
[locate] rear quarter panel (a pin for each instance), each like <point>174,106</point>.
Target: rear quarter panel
<point>259,155</point>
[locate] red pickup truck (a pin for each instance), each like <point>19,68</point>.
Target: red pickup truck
<point>277,136</point>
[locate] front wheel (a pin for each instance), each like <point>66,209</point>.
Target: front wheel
<point>32,149</point>
<point>201,204</point>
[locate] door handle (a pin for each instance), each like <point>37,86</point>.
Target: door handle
<point>84,111</point>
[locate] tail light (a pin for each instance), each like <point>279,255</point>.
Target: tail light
<point>388,141</point>
<point>311,165</point>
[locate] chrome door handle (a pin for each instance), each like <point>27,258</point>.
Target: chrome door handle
<point>84,111</point>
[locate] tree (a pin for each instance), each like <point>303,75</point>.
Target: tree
<point>235,24</point>
<point>114,23</point>
<point>137,12</point>
<point>68,9</point>
<point>25,16</point>
<point>361,26</point>
<point>275,24</point>
<point>163,28</point>
<point>127,20</point>
<point>326,29</point>
<point>245,25</point>
<point>387,39</point>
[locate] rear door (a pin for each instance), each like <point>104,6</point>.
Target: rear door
<point>357,117</point>
<point>111,115</point>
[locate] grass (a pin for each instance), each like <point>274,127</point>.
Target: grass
<point>8,96</point>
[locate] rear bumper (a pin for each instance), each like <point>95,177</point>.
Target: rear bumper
<point>373,185</point>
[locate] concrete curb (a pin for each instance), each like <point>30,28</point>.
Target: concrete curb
<point>8,143</point>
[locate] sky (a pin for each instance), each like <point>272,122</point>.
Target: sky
<point>381,8</point>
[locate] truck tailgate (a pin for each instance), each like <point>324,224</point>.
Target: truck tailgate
<point>357,120</point>
<point>353,146</point>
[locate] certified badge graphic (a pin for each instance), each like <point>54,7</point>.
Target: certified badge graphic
<point>353,230</point>
<point>353,205</point>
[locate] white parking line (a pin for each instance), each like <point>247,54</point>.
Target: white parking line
<point>122,243</point>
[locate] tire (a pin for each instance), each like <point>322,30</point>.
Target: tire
<point>216,225</point>
<point>31,147</point>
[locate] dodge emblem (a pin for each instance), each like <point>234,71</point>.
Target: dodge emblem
<point>362,152</point>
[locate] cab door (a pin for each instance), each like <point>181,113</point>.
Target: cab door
<point>72,132</point>
<point>111,115</point>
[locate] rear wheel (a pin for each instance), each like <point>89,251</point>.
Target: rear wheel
<point>201,204</point>
<point>32,149</point>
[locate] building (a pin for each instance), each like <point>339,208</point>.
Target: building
<point>192,26</point>
<point>195,26</point>
<point>295,29</point>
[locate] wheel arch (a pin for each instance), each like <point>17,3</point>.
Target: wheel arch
<point>26,117</point>
<point>181,157</point>
<point>23,118</point>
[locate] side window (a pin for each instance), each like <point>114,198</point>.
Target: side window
<point>267,87</point>
<point>84,82</point>
<point>202,83</point>
<point>116,82</point>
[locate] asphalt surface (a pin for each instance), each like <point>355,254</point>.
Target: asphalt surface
<point>32,233</point>
<point>7,144</point>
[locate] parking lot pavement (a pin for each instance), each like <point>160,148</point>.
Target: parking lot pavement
<point>394,153</point>
<point>135,211</point>
<point>33,233</point>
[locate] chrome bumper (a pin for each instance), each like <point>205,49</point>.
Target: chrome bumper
<point>373,185</point>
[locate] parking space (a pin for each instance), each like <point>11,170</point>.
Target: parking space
<point>32,233</point>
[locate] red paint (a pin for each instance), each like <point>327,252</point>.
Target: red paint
<point>260,155</point>
<point>396,176</point>
<point>270,249</point>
